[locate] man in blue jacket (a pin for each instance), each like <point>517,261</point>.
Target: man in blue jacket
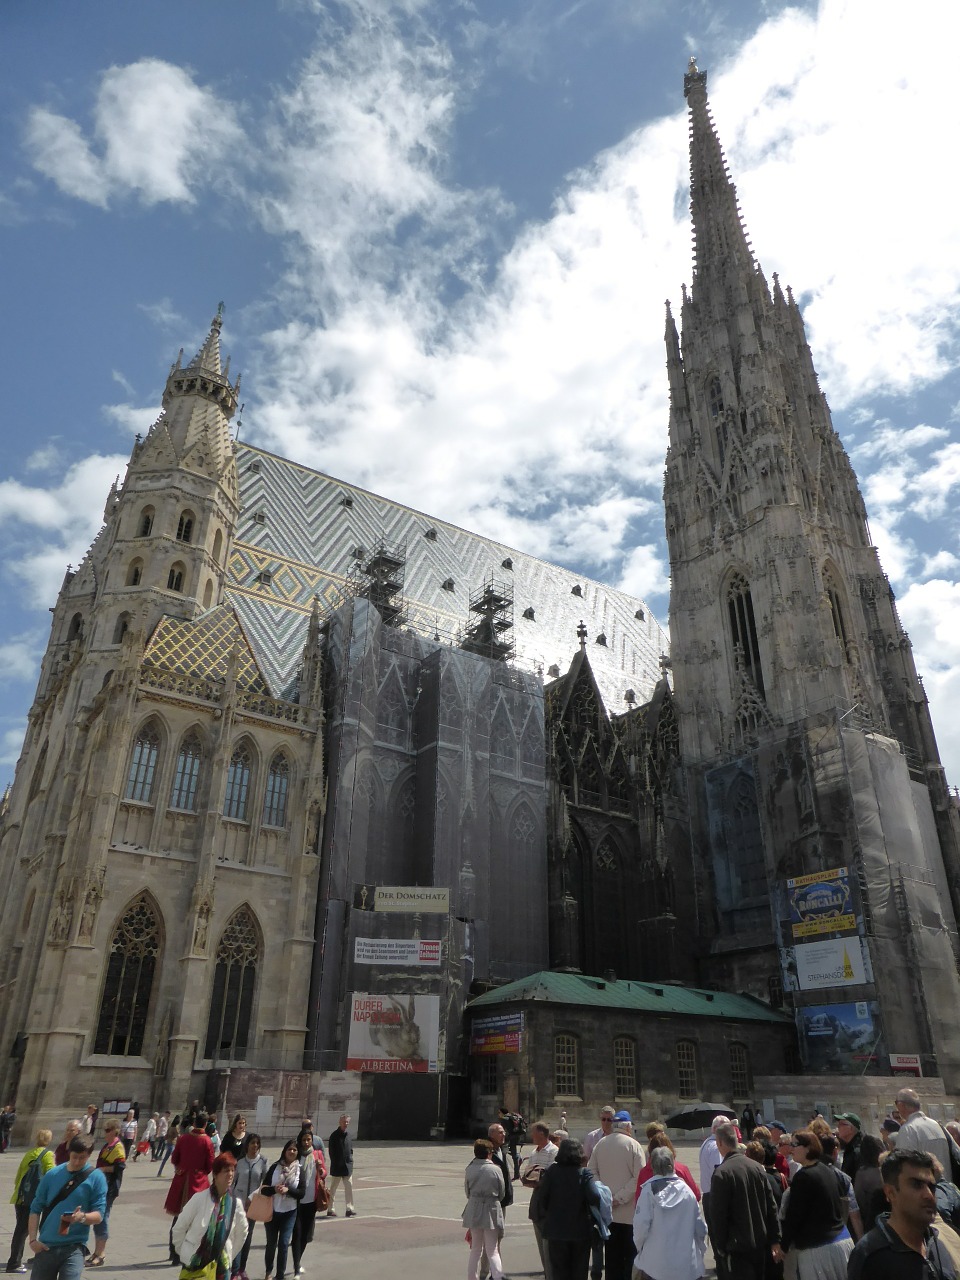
<point>72,1196</point>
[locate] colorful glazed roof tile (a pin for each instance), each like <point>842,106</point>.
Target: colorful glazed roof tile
<point>204,647</point>
<point>301,533</point>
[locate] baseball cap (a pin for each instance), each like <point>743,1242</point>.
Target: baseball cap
<point>623,1116</point>
<point>851,1117</point>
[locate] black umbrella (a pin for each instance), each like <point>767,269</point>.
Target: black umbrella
<point>699,1116</point>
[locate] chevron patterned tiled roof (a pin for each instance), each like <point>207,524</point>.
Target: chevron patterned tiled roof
<point>303,527</point>
<point>203,647</point>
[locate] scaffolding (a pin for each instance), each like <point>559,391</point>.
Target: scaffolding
<point>490,630</point>
<point>378,577</point>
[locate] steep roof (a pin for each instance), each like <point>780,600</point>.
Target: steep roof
<point>642,997</point>
<point>205,647</point>
<point>304,529</point>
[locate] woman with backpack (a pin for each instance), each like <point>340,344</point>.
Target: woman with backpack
<point>111,1162</point>
<point>37,1161</point>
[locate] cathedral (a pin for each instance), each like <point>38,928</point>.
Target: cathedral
<point>312,780</point>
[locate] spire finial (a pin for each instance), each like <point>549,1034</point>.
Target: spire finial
<point>582,635</point>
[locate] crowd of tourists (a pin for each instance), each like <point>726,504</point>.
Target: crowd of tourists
<point>220,1189</point>
<point>826,1201</point>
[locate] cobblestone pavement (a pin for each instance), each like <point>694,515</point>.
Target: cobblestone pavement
<point>409,1197</point>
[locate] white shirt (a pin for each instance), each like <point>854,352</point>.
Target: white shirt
<point>541,1159</point>
<point>590,1141</point>
<point>710,1159</point>
<point>919,1133</point>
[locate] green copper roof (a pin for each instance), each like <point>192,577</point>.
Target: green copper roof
<point>643,997</point>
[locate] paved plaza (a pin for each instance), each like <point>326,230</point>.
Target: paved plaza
<point>409,1197</point>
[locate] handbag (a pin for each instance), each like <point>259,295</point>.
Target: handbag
<point>260,1208</point>
<point>209,1272</point>
<point>323,1196</point>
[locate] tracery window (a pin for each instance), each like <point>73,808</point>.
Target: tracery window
<point>566,1066</point>
<point>836,610</point>
<point>143,764</point>
<point>740,1081</point>
<point>183,794</point>
<point>743,630</point>
<point>275,795</point>
<point>131,965</point>
<point>238,785</point>
<point>234,982</point>
<point>625,1067</point>
<point>392,712</point>
<point>687,1072</point>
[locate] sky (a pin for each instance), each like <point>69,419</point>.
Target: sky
<point>443,233</point>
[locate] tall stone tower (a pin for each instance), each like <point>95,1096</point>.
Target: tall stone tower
<point>803,724</point>
<point>166,808</point>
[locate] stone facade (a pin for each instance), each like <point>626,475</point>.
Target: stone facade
<point>804,730</point>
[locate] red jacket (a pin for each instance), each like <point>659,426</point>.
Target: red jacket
<point>193,1160</point>
<point>646,1173</point>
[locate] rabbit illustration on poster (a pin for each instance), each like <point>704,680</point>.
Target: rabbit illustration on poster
<point>396,1033</point>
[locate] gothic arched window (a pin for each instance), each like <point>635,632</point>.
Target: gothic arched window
<point>134,573</point>
<point>185,526</point>
<point>121,627</point>
<point>143,764</point>
<point>175,577</point>
<point>743,630</point>
<point>275,794</point>
<point>234,981</point>
<point>145,523</point>
<point>715,405</point>
<point>183,794</point>
<point>218,546</point>
<point>238,784</point>
<point>836,610</point>
<point>132,962</point>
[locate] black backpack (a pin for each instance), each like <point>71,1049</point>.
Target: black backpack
<point>27,1190</point>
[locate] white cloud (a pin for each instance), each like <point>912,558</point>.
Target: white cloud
<point>132,418</point>
<point>156,133</point>
<point>644,572</point>
<point>46,458</point>
<point>930,612</point>
<point>11,744</point>
<point>49,528</point>
<point>20,656</point>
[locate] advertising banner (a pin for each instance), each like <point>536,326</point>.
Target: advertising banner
<point>906,1064</point>
<point>840,1037</point>
<point>821,903</point>
<point>394,1033</point>
<point>423,898</point>
<point>500,1033</point>
<point>831,962</point>
<point>405,951</point>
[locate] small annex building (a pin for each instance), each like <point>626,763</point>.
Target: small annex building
<point>558,1041</point>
